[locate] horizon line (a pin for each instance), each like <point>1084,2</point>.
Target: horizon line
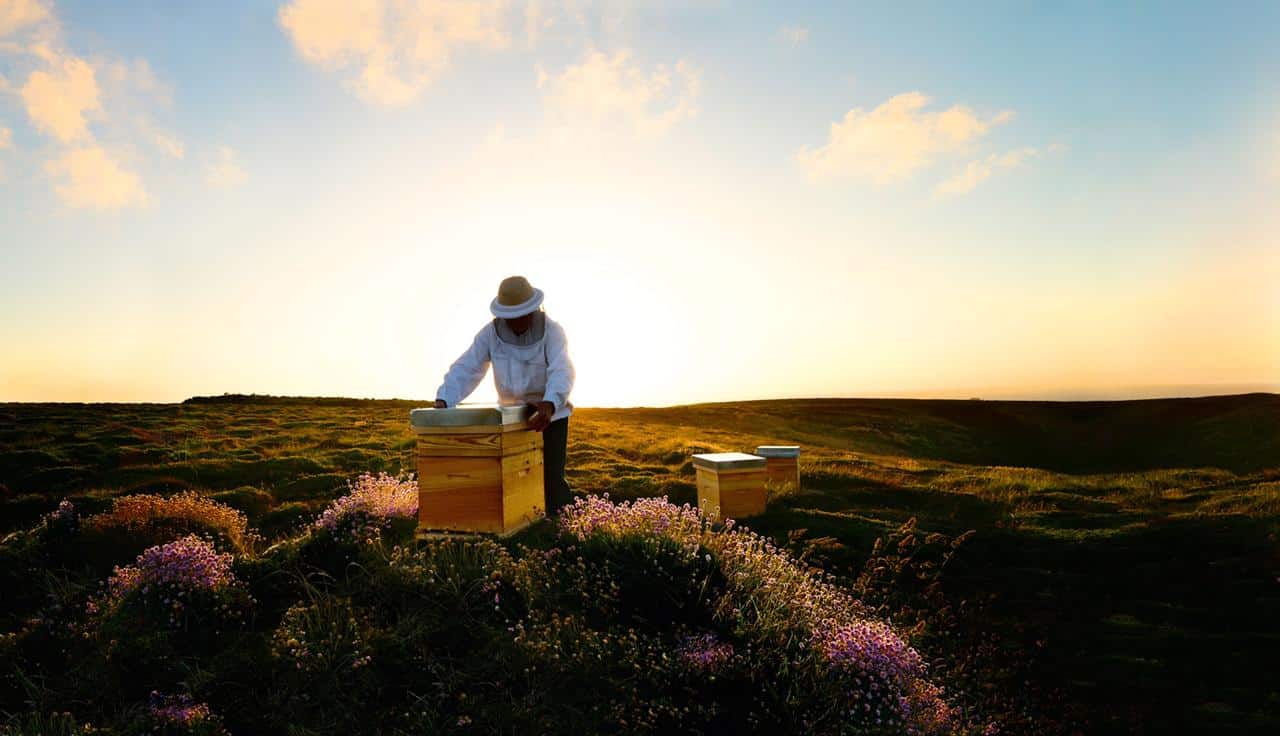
<point>1064,396</point>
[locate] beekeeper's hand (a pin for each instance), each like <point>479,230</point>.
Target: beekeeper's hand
<point>542,416</point>
<point>440,404</point>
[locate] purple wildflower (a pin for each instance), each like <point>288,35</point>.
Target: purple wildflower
<point>177,710</point>
<point>885,675</point>
<point>371,503</point>
<point>169,573</point>
<point>705,652</point>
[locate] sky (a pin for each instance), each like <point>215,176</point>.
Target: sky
<point>721,200</point>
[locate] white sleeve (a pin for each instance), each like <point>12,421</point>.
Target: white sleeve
<point>560,373</point>
<point>467,371</point>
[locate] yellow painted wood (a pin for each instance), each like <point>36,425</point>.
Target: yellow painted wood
<point>740,503</point>
<point>449,473</point>
<point>708,492</point>
<point>731,495</point>
<point>460,445</point>
<point>783,471</point>
<point>522,490</point>
<point>487,481</point>
<point>473,429</point>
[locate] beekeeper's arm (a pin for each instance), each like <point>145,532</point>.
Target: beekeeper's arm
<point>466,372</point>
<point>559,379</point>
<point>559,368</point>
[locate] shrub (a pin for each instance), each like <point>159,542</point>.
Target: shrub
<point>137,522</point>
<point>857,674</point>
<point>319,639</point>
<point>322,663</point>
<point>373,503</point>
<point>183,585</point>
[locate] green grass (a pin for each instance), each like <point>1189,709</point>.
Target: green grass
<point>1131,548</point>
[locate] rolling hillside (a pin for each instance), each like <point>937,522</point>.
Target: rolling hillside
<point>1124,560</point>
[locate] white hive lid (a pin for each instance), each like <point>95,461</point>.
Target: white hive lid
<point>778,450</point>
<point>727,461</point>
<point>470,415</point>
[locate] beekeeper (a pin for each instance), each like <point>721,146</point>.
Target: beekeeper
<point>531,365</point>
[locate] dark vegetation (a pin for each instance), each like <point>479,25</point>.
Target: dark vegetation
<point>1122,576</point>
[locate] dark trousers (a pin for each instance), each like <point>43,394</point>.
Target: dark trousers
<point>555,440</point>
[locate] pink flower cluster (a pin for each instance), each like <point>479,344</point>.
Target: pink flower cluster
<point>63,520</point>
<point>65,513</point>
<point>655,517</point>
<point>172,572</point>
<point>177,710</point>
<point>770,595</point>
<point>705,652</point>
<point>869,647</point>
<point>371,502</point>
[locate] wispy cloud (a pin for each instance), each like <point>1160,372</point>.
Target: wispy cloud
<point>978,171</point>
<point>91,178</point>
<point>895,140</point>
<point>225,171</point>
<point>168,144</point>
<point>794,35</point>
<point>17,14</point>
<point>608,89</point>
<point>389,51</point>
<point>71,100</point>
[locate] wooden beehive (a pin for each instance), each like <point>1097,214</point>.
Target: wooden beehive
<point>782,464</point>
<point>730,484</point>
<point>479,469</point>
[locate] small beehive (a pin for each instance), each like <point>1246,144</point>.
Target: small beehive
<point>479,469</point>
<point>730,484</point>
<point>782,464</point>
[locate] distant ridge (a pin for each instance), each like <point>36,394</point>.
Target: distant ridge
<point>297,400</point>
<point>353,401</point>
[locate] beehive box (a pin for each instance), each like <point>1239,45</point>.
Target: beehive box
<point>479,469</point>
<point>781,464</point>
<point>730,484</point>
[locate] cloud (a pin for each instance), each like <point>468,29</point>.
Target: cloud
<point>17,14</point>
<point>72,101</point>
<point>225,172</point>
<point>94,180</point>
<point>6,138</point>
<point>895,140</point>
<point>976,172</point>
<point>168,144</point>
<point>979,170</point>
<point>604,88</point>
<point>536,21</point>
<point>794,35</point>
<point>391,50</point>
<point>59,100</point>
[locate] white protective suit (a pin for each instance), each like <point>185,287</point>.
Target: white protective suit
<point>525,374</point>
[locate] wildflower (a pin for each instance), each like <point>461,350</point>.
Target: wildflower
<point>177,710</point>
<point>371,503</point>
<point>883,672</point>
<point>169,574</point>
<point>705,652</point>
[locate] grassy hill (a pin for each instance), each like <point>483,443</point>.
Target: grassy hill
<point>1124,561</point>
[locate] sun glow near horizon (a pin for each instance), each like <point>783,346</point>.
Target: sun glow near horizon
<point>713,216</point>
